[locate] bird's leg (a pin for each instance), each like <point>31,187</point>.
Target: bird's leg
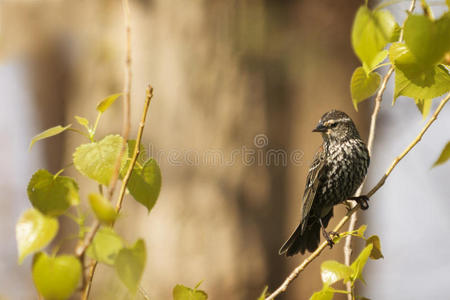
<point>362,201</point>
<point>326,235</point>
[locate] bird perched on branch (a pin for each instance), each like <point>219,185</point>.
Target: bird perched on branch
<point>339,167</point>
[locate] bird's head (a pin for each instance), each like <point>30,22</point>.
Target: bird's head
<point>336,126</point>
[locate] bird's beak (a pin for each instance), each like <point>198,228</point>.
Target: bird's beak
<point>320,128</point>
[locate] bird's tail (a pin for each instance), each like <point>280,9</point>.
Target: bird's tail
<point>301,241</point>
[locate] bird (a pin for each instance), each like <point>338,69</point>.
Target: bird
<point>338,169</point>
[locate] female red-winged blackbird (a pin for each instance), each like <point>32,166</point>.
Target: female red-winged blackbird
<point>338,169</point>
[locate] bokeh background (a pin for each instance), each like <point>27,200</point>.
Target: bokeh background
<point>224,72</point>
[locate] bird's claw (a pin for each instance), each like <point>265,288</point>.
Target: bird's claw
<point>362,201</point>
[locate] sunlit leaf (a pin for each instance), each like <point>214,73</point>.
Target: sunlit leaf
<point>105,246</point>
<point>97,160</point>
<point>48,133</point>
<point>130,263</point>
<point>263,294</point>
<point>363,86</point>
<point>56,277</point>
<point>326,293</point>
<point>428,40</point>
<point>103,209</point>
<point>145,184</point>
<point>106,103</point>
<point>333,271</point>
<point>424,106</point>
<point>181,292</point>
<point>359,263</point>
<point>372,30</point>
<point>445,155</point>
<point>52,195</point>
<point>376,249</point>
<point>360,231</point>
<point>33,232</point>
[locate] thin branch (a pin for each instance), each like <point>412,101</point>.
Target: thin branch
<point>294,274</point>
<point>373,123</point>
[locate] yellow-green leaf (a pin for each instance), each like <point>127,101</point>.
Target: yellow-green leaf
<point>50,194</point>
<point>372,30</point>
<point>33,232</point>
<point>181,292</point>
<point>48,133</point>
<point>445,155</point>
<point>376,249</point>
<point>333,271</point>
<point>129,265</point>
<point>56,278</point>
<point>264,293</point>
<point>97,160</point>
<point>427,39</point>
<point>105,246</point>
<point>145,184</point>
<point>106,103</point>
<point>359,263</point>
<point>103,209</point>
<point>83,122</point>
<point>363,86</point>
<point>424,106</point>
<point>326,293</point>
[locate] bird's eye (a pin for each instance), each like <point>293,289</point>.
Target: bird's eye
<point>333,125</point>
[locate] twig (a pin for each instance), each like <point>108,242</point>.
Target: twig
<point>294,274</point>
<point>126,99</point>
<point>373,123</point>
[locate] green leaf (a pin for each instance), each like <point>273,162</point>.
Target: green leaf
<point>363,86</point>
<point>333,271</point>
<point>415,80</point>
<point>428,40</point>
<point>181,292</point>
<point>378,59</point>
<point>372,30</point>
<point>264,293</point>
<point>360,231</point>
<point>56,277</point>
<point>376,250</point>
<point>48,133</point>
<point>106,103</point>
<point>34,231</point>
<point>103,209</point>
<point>52,195</point>
<point>359,263</point>
<point>105,246</point>
<point>326,293</point>
<point>83,122</point>
<point>130,263</point>
<point>424,106</point>
<point>145,184</point>
<point>445,155</point>
<point>97,160</point>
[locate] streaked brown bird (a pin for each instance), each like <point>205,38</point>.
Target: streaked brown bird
<point>339,167</point>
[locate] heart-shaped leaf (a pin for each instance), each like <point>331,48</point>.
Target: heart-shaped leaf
<point>130,263</point>
<point>48,133</point>
<point>445,155</point>
<point>145,183</point>
<point>56,277</point>
<point>50,194</point>
<point>105,246</point>
<point>103,209</point>
<point>33,232</point>
<point>181,292</point>
<point>372,30</point>
<point>363,86</point>
<point>106,103</point>
<point>97,160</point>
<point>428,40</point>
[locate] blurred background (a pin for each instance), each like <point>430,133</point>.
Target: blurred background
<point>227,76</point>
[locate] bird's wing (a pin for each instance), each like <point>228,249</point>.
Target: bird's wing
<point>312,182</point>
